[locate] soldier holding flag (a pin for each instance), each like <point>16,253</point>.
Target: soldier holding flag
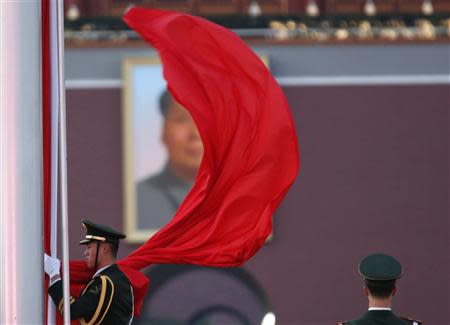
<point>108,297</point>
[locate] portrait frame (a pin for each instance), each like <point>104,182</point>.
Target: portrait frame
<point>142,84</point>
<point>142,75</point>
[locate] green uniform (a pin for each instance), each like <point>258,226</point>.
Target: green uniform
<point>380,271</point>
<point>381,317</point>
<point>107,299</point>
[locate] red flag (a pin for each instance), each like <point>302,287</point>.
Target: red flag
<point>251,152</point>
<point>251,155</point>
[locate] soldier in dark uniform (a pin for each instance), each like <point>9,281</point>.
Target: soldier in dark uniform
<point>108,298</point>
<point>380,273</point>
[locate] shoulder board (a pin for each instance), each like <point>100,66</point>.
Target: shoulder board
<point>412,321</point>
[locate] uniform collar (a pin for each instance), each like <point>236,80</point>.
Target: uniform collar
<point>380,308</point>
<point>101,270</point>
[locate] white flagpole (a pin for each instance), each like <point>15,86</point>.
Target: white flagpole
<point>21,208</point>
<point>54,131</point>
<point>54,113</point>
<point>63,164</point>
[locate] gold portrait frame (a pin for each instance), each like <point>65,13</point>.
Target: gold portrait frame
<point>129,66</point>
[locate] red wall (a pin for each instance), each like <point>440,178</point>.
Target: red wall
<point>374,177</point>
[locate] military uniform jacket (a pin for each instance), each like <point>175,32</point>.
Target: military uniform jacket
<point>381,317</point>
<point>107,299</point>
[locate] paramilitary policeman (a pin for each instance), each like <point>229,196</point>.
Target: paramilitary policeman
<point>380,272</point>
<point>108,297</point>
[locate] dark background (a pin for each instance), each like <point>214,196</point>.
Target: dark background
<point>110,8</point>
<point>374,177</point>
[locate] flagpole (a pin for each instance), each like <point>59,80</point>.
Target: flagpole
<point>63,164</point>
<point>21,208</point>
<point>54,143</point>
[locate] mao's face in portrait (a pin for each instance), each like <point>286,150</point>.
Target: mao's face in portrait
<point>183,142</point>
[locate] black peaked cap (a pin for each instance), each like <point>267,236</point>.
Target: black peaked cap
<point>380,267</point>
<point>100,233</point>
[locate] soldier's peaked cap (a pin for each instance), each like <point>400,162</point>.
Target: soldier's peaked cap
<point>380,267</point>
<point>102,233</point>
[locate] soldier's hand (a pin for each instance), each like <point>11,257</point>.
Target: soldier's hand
<point>51,265</point>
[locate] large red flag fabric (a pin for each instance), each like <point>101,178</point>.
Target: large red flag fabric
<point>251,150</point>
<point>250,145</point>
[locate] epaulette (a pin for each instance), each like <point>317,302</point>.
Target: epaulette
<point>412,321</point>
